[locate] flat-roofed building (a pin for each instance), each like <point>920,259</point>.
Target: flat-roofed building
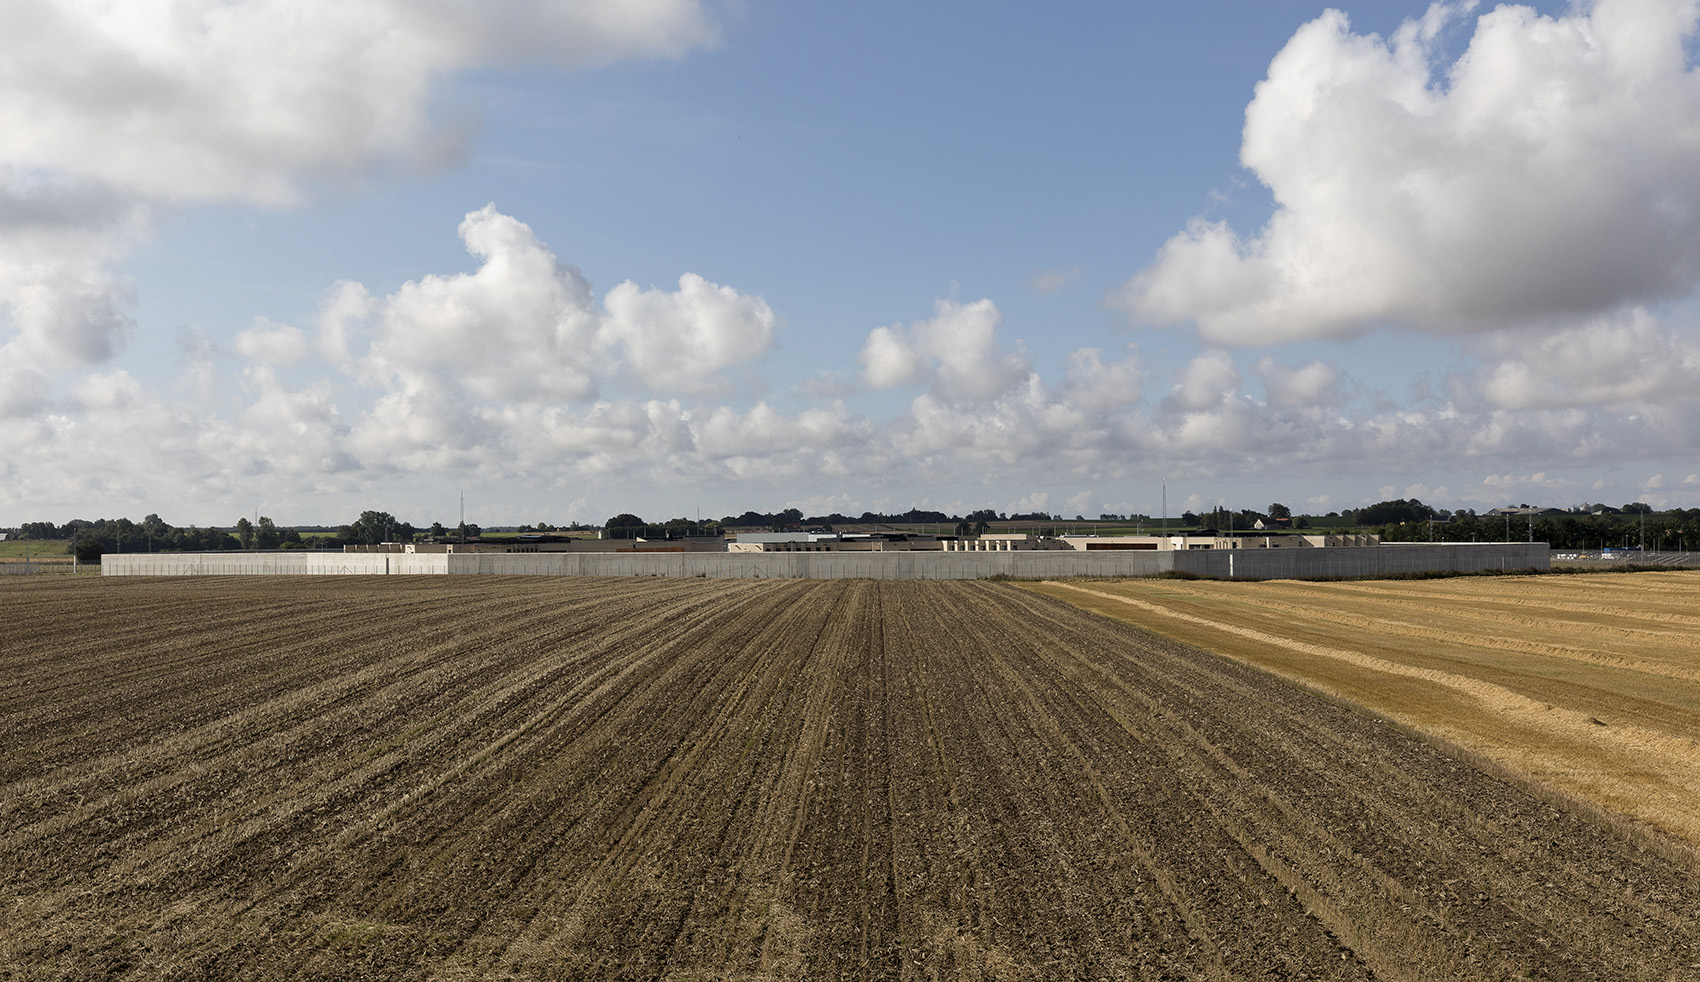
<point>835,542</point>
<point>552,543</point>
<point>1004,542</point>
<point>1180,543</point>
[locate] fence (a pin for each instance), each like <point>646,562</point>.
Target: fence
<point>33,568</point>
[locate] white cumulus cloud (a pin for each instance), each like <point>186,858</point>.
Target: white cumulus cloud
<point>679,341</point>
<point>1207,381</point>
<point>110,112</point>
<point>1612,360</point>
<point>61,305</point>
<point>272,344</point>
<point>523,326</point>
<point>526,327</point>
<point>1312,384</point>
<point>1094,384</point>
<point>958,349</point>
<point>1553,169</point>
<point>246,100</point>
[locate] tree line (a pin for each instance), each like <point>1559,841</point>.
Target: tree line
<point>1588,527</point>
<point>89,540</point>
<point>1221,519</point>
<point>1673,530</point>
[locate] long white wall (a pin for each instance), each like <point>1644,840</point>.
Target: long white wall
<point>1227,563</point>
<point>269,564</point>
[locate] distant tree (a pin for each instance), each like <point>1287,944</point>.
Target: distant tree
<point>437,530</point>
<point>266,535</point>
<point>373,527</point>
<point>624,526</point>
<point>1637,508</point>
<point>1220,519</point>
<point>1393,512</point>
<point>1279,511</point>
<point>1189,518</point>
<point>245,532</point>
<point>87,550</point>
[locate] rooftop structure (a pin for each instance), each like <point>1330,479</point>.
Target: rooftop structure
<point>549,543</point>
<point>1181,543</point>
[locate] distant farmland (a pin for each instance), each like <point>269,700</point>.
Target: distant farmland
<point>522,778</point>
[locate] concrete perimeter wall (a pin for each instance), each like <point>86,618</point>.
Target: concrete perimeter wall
<point>268,564</point>
<point>1400,557</point>
<point>1227,563</point>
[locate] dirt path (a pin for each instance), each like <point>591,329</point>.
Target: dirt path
<point>718,779</point>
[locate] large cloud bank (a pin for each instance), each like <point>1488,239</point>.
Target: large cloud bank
<point>520,371</point>
<point>110,112</point>
<point>209,99</point>
<point>1539,197</point>
<point>1550,171</point>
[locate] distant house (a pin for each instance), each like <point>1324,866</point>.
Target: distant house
<point>1527,510</point>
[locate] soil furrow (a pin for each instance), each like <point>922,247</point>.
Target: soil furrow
<point>717,779</point>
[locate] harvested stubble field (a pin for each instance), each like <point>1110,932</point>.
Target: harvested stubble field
<point>1587,684</point>
<point>481,778</point>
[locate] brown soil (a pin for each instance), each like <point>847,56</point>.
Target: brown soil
<point>487,778</point>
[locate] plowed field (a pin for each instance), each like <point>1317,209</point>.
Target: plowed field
<point>481,778</point>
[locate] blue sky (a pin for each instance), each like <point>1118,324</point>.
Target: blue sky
<point>576,258</point>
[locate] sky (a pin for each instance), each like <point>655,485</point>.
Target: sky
<point>570,258</point>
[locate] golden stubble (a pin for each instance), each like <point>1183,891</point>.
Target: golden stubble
<point>1588,685</point>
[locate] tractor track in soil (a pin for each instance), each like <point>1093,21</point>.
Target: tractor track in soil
<point>486,778</point>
